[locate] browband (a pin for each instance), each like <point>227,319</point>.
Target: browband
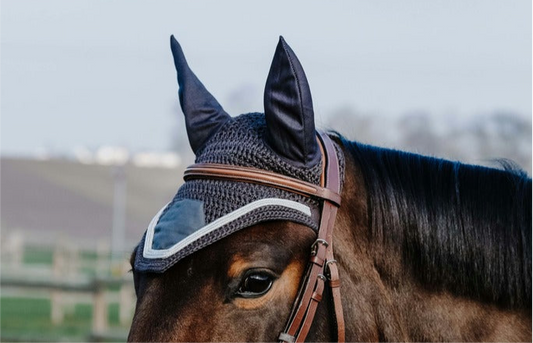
<point>322,266</point>
<point>259,176</point>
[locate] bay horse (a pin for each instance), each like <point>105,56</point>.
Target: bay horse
<point>425,249</point>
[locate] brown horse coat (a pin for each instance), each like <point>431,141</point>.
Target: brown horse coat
<point>427,249</point>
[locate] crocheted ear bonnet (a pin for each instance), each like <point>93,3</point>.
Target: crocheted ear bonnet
<point>283,140</point>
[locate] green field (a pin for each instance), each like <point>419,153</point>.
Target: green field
<point>25,315</point>
<point>25,319</point>
<point>38,255</point>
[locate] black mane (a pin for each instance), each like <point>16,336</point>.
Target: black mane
<point>458,227</point>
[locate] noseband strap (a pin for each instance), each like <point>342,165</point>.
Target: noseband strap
<point>322,267</point>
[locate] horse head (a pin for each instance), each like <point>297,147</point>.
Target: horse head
<point>427,249</point>
<point>224,259</point>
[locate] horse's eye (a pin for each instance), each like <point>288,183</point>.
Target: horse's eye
<point>255,285</point>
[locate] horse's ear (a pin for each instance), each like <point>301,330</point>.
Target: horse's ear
<point>203,114</point>
<point>289,110</point>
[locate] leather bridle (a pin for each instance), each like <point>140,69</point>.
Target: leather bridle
<point>322,267</point>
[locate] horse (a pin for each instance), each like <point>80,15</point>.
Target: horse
<point>426,249</point>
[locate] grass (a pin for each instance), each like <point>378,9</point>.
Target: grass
<point>38,255</point>
<point>29,319</point>
<point>45,255</point>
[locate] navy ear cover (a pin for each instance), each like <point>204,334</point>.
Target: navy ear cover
<point>203,114</point>
<point>289,110</point>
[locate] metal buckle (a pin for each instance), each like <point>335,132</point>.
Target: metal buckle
<point>326,268</point>
<point>314,248</point>
<point>328,262</point>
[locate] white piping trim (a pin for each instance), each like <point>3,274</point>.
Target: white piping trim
<point>150,253</point>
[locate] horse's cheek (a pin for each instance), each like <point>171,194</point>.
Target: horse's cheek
<point>262,319</point>
<point>250,319</point>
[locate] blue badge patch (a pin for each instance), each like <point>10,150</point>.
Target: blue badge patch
<point>178,221</point>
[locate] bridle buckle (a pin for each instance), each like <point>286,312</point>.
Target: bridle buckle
<point>326,266</point>
<point>314,246</point>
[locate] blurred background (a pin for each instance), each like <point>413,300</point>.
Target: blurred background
<point>93,140</point>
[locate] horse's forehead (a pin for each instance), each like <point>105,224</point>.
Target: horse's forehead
<point>273,245</point>
<point>268,244</point>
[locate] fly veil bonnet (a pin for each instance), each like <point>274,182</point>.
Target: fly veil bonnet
<point>250,169</point>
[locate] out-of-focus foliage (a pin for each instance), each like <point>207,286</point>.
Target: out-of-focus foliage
<point>479,139</point>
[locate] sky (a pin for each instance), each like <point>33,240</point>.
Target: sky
<point>93,73</point>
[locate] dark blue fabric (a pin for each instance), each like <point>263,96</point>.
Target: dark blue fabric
<point>289,110</point>
<point>178,221</point>
<point>203,114</point>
